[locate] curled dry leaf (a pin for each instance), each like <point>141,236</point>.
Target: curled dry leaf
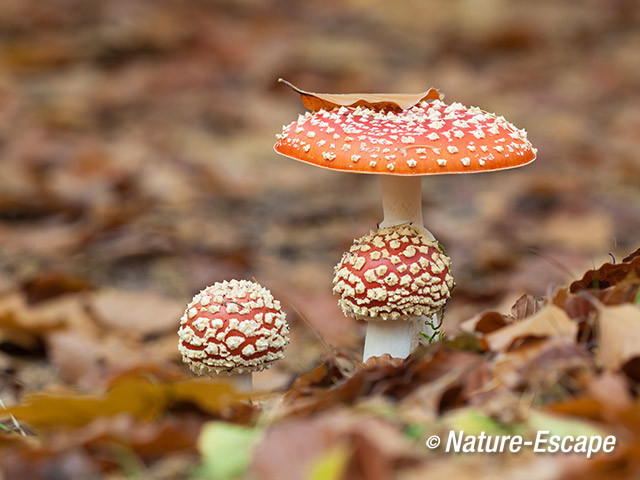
<point>548,322</point>
<point>379,101</point>
<point>608,275</point>
<point>619,330</point>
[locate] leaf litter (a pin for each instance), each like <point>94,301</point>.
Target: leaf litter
<point>129,180</point>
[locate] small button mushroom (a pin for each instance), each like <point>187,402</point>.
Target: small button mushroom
<point>390,278</point>
<point>233,327</point>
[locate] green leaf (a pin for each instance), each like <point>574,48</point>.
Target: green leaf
<point>226,450</point>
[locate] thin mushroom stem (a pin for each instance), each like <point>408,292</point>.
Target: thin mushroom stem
<point>401,203</point>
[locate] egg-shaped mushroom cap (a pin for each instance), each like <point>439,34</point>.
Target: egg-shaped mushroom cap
<point>393,273</point>
<point>234,327</point>
<point>429,138</point>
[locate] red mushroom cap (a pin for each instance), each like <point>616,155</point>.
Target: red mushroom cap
<point>233,326</point>
<point>393,273</point>
<point>429,138</point>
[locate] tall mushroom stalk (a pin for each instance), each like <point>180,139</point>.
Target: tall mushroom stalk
<point>399,137</point>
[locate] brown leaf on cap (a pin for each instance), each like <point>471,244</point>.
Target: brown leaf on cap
<point>378,101</point>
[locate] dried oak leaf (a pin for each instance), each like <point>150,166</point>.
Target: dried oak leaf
<point>378,101</point>
<point>548,322</point>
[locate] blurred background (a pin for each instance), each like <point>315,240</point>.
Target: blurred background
<point>137,167</point>
<point>137,162</point>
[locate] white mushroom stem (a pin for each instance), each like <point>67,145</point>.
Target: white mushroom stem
<point>401,203</point>
<point>397,338</point>
<point>242,382</point>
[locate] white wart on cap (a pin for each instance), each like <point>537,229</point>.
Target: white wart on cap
<point>232,327</point>
<point>393,273</point>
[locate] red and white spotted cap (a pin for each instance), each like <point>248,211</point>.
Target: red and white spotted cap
<point>232,327</point>
<point>429,138</point>
<point>393,273</point>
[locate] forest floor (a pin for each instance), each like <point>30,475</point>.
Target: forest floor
<point>137,167</point>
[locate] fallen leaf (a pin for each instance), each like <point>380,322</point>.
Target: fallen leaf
<point>485,322</point>
<point>548,368</point>
<point>635,254</point>
<point>526,306</point>
<point>549,322</point>
<point>619,330</point>
<point>379,101</point>
<point>141,313</point>
<point>391,377</point>
<point>140,398</point>
<point>607,275</point>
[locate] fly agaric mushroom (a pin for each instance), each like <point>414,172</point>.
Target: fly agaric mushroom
<point>389,275</point>
<point>234,327</point>
<point>401,138</point>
